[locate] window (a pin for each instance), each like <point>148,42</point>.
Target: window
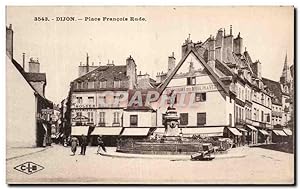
<point>163,118</point>
<point>101,117</point>
<point>201,118</point>
<point>85,85</point>
<point>184,118</point>
<point>117,100</point>
<point>91,100</point>
<point>102,100</point>
<point>133,120</point>
<point>90,117</point>
<point>191,80</point>
<point>79,114</point>
<point>78,85</point>
<point>268,118</point>
<point>230,119</point>
<point>116,117</point>
<point>200,97</point>
<point>262,116</point>
<point>91,84</point>
<point>242,115</point>
<point>242,95</point>
<point>236,113</point>
<point>79,100</point>
<point>102,84</point>
<point>117,84</point>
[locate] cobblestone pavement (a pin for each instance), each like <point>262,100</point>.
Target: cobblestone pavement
<point>258,167</point>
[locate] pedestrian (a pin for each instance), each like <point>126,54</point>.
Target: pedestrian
<point>100,145</point>
<point>83,144</point>
<point>74,143</point>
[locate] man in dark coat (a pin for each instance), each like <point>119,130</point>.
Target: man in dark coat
<point>83,144</point>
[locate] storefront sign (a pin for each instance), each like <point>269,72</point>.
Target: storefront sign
<point>47,111</point>
<point>80,119</point>
<point>196,88</point>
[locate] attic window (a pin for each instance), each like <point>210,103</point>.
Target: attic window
<point>102,84</point>
<point>91,84</point>
<point>191,80</point>
<point>117,84</point>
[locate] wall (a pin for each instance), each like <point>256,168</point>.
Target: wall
<point>215,98</point>
<point>20,109</point>
<point>109,108</point>
<point>145,118</point>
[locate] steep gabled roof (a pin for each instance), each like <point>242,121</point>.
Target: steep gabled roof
<point>275,88</point>
<point>113,72</point>
<point>224,68</point>
<point>248,61</point>
<point>36,77</point>
<point>23,73</point>
<point>165,83</point>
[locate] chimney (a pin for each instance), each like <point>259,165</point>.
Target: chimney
<point>9,41</point>
<point>188,44</point>
<point>257,68</point>
<point>227,46</point>
<point>23,60</point>
<point>131,72</point>
<point>238,45</point>
<point>171,63</point>
<point>211,52</point>
<point>87,63</point>
<point>34,66</point>
<point>219,44</point>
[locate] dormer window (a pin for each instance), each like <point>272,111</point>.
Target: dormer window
<point>117,84</point>
<point>191,80</point>
<point>102,84</point>
<point>91,84</point>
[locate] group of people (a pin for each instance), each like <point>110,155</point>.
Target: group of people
<point>83,144</point>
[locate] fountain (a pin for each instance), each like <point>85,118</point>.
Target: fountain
<point>172,141</point>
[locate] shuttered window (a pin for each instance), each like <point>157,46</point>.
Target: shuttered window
<point>201,118</point>
<point>133,120</point>
<point>184,118</point>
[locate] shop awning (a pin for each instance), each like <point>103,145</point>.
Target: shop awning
<point>288,132</point>
<point>160,130</point>
<point>279,133</point>
<point>263,132</point>
<point>135,131</point>
<point>234,131</point>
<point>242,130</point>
<point>252,128</point>
<point>204,131</point>
<point>113,131</point>
<point>80,130</point>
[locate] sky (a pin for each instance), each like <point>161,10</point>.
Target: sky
<point>60,46</point>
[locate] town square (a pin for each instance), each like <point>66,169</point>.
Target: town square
<point>194,98</point>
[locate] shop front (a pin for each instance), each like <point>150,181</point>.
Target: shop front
<point>252,136</point>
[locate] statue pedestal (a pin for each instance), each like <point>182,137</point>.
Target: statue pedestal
<point>171,125</point>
